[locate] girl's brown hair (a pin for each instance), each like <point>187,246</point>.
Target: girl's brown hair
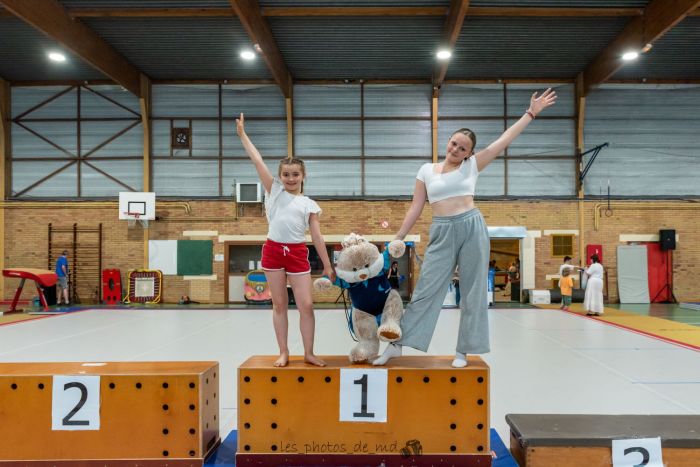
<point>469,134</point>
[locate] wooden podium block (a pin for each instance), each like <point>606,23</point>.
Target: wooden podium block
<point>416,409</point>
<point>132,413</point>
<point>571,440</point>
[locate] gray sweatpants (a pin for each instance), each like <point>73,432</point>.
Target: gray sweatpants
<point>462,239</point>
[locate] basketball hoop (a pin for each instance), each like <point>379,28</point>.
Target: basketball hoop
<point>133,218</point>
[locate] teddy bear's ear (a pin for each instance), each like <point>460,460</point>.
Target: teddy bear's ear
<point>352,239</point>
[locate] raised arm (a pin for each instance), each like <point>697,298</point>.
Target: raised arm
<point>252,152</point>
<point>537,105</point>
<point>419,197</point>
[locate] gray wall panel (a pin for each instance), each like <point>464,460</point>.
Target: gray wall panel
<point>61,185</point>
<point>270,137</point>
<point>93,183</point>
<point>94,105</point>
<point>464,100</point>
<point>654,140</point>
<point>391,178</point>
<point>188,178</point>
<point>327,138</point>
<point>26,144</point>
<point>519,99</point>
<point>185,100</point>
<point>545,138</point>
<point>398,138</point>
<point>205,137</point>
<point>333,178</point>
<point>24,98</point>
<point>96,133</point>
<point>540,178</point>
<point>252,100</point>
<point>492,180</point>
<point>327,101</point>
<point>398,100</point>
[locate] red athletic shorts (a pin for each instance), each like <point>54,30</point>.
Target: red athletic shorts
<point>290,257</point>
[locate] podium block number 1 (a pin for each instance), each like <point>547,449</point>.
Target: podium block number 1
<point>363,395</point>
<point>75,403</point>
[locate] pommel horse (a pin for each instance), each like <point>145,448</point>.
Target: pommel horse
<point>41,277</point>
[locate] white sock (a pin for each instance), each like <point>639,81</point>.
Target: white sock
<point>460,360</point>
<point>391,351</point>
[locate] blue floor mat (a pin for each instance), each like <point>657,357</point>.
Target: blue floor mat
<point>225,455</point>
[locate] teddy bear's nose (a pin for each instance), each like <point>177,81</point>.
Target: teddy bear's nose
<point>363,276</point>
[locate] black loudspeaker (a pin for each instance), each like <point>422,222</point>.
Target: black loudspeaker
<point>667,239</point>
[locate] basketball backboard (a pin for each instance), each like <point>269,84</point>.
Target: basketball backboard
<point>137,204</point>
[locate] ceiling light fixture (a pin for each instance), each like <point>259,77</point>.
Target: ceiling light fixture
<point>647,48</point>
<point>444,54</point>
<point>631,55</point>
<point>248,55</point>
<point>57,57</point>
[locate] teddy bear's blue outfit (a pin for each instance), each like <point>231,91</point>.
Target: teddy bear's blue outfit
<point>369,295</point>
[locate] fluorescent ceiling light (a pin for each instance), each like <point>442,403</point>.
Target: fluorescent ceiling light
<point>57,57</point>
<point>631,55</point>
<point>247,55</point>
<point>444,54</point>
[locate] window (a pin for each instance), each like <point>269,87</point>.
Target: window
<point>562,245</point>
<point>315,260</point>
<point>244,258</point>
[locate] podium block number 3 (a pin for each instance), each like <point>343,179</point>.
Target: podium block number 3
<point>363,395</point>
<point>75,403</point>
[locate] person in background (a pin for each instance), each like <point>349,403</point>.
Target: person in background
<point>593,301</point>
<point>393,275</point>
<point>566,285</point>
<point>62,273</point>
<point>566,265</point>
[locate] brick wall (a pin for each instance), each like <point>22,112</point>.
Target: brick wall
<point>26,234</point>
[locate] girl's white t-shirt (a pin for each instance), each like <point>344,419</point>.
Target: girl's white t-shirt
<point>288,214</point>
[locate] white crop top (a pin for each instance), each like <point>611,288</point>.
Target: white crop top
<point>460,182</point>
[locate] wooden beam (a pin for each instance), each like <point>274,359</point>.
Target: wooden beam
<point>49,17</point>
<point>289,106</point>
<point>554,12</point>
<point>434,127</point>
<point>5,165</point>
<point>150,12</point>
<point>248,12</point>
<point>580,147</point>
<point>145,108</point>
<point>352,11</point>
<point>659,17</point>
<point>453,26</point>
<point>5,141</point>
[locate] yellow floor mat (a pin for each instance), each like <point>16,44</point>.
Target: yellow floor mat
<point>665,329</point>
<point>15,317</point>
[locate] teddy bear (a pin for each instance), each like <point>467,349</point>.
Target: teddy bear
<point>376,307</point>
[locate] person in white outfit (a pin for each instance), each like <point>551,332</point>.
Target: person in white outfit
<point>593,301</point>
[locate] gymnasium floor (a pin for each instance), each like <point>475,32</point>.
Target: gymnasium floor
<point>543,361</point>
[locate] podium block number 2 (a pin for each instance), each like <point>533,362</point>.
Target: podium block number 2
<point>75,403</point>
<point>363,395</point>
